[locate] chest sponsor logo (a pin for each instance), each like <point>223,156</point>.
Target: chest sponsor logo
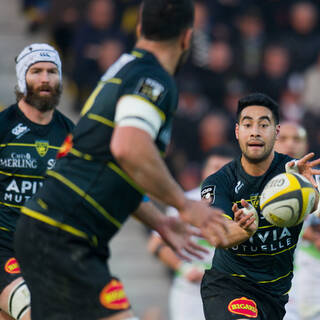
<point>113,296</point>
<point>238,186</point>
<point>18,191</point>
<point>269,241</point>
<point>19,130</point>
<point>12,266</point>
<point>151,89</point>
<point>42,147</point>
<point>19,160</point>
<point>208,194</point>
<point>243,306</point>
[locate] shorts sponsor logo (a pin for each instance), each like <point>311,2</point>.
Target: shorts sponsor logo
<point>244,307</point>
<point>42,147</point>
<point>113,296</point>
<point>12,266</point>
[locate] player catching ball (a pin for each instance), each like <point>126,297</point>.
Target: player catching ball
<point>251,279</point>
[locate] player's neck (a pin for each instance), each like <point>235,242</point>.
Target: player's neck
<point>34,114</point>
<point>256,169</point>
<point>166,53</point>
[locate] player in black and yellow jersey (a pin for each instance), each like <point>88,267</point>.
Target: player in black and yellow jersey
<point>106,166</point>
<point>31,132</point>
<point>251,278</point>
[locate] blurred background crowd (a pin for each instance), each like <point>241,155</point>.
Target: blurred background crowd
<point>239,46</point>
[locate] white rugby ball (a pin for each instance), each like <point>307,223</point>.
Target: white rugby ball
<point>287,199</point>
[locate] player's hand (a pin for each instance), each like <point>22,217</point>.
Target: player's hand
<point>210,221</point>
<point>306,167</point>
<point>247,217</point>
<point>177,234</point>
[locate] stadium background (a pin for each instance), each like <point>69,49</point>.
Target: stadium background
<point>239,46</point>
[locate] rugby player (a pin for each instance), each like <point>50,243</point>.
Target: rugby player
<point>31,132</point>
<point>112,158</point>
<point>251,277</point>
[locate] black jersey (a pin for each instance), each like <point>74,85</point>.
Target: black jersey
<point>100,194</point>
<point>27,150</point>
<point>267,257</point>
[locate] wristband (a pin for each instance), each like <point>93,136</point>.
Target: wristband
<point>294,168</point>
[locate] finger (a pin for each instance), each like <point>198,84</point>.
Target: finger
<point>183,256</point>
<point>314,162</point>
<point>219,232</point>
<point>235,207</point>
<point>244,203</point>
<point>315,171</point>
<point>306,158</point>
<point>194,252</point>
<point>291,164</point>
<point>197,247</point>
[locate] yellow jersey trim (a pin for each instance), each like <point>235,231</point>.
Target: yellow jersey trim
<point>20,175</point>
<point>264,281</point>
<point>25,145</point>
<point>160,112</point>
<point>80,154</point>
<point>101,119</point>
<point>124,176</point>
<point>113,80</point>
<point>137,54</point>
<point>226,216</point>
<point>10,205</point>
<point>85,196</point>
<point>4,229</point>
<point>54,223</point>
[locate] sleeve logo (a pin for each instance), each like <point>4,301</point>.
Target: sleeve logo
<point>12,266</point>
<point>208,194</point>
<point>150,89</point>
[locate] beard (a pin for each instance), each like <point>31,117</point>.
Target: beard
<point>43,103</point>
<point>258,159</point>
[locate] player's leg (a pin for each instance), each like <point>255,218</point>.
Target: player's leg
<point>15,301</point>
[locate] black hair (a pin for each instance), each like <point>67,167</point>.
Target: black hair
<point>259,99</point>
<point>166,19</point>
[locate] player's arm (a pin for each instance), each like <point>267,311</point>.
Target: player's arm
<point>176,233</point>
<point>133,147</point>
<point>241,223</point>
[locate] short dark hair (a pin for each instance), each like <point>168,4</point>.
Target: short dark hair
<point>166,19</point>
<point>259,99</point>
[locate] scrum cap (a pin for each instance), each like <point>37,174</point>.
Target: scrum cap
<point>36,52</point>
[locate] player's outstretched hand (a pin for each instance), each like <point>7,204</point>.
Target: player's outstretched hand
<point>177,234</point>
<point>247,217</point>
<point>210,221</point>
<point>306,167</point>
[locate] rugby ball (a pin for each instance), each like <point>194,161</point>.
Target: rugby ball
<point>287,199</point>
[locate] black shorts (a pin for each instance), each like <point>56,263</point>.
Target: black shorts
<point>226,297</point>
<point>67,276</point>
<point>9,267</point>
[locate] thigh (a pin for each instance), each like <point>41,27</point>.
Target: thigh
<point>68,279</point>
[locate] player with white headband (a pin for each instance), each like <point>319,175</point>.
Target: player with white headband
<point>31,132</point>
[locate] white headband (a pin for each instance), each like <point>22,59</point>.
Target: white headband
<point>36,52</point>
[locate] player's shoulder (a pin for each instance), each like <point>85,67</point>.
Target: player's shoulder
<point>221,177</point>
<point>280,161</point>
<point>63,120</point>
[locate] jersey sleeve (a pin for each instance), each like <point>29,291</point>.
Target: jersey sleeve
<point>215,189</point>
<point>146,101</point>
